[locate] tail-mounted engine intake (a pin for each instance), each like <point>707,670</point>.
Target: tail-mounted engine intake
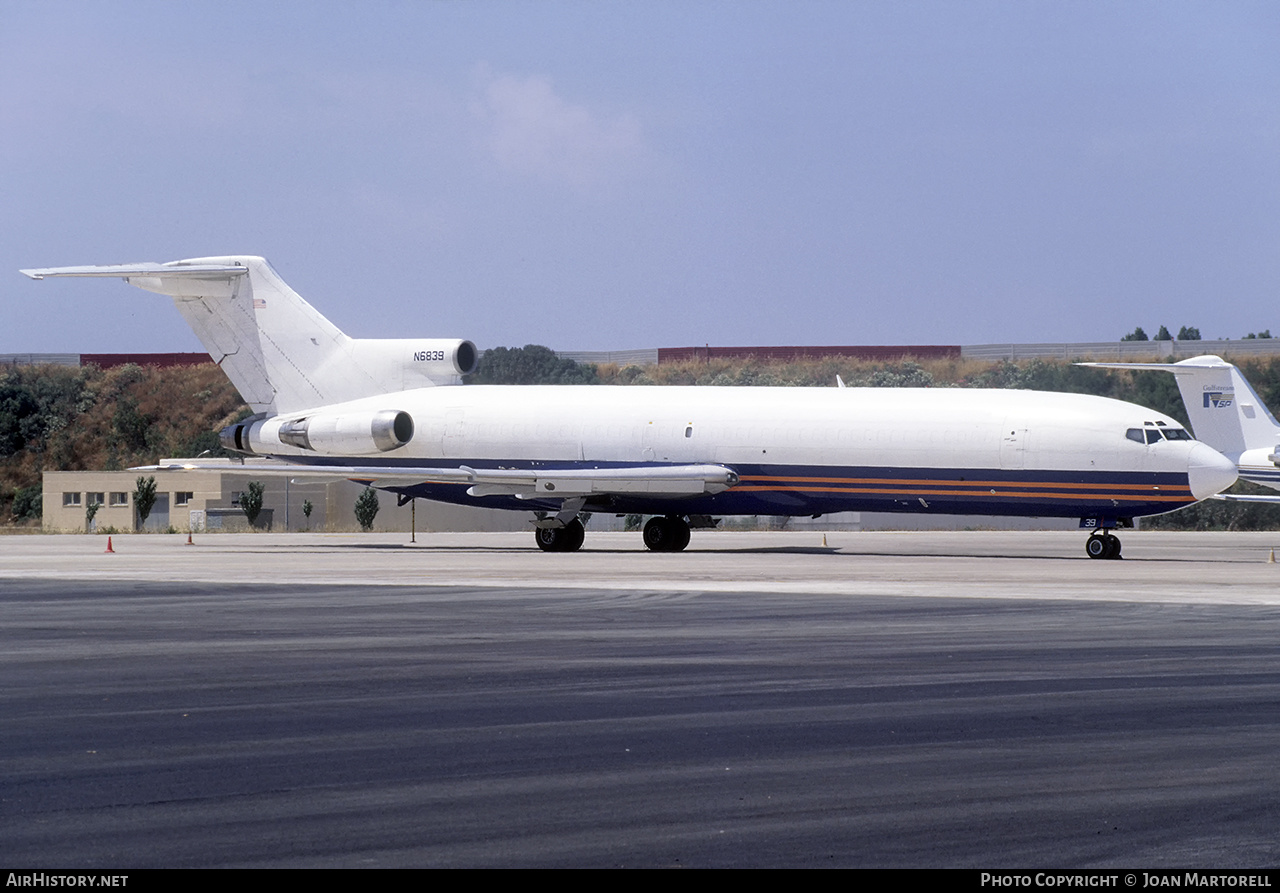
<point>401,363</point>
<point>434,357</point>
<point>342,434</point>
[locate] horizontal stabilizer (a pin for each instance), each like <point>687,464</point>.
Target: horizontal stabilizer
<point>126,271</point>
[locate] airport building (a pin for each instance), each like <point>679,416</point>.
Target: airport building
<point>210,500</point>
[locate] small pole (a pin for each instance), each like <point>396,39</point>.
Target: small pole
<point>413,520</point>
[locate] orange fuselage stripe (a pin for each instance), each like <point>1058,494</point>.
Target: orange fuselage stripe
<point>908,482</point>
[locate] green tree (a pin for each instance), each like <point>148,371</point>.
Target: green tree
<point>28,503</point>
<point>531,364</point>
<point>89,511</point>
<point>36,403</point>
<point>1163,335</point>
<point>367,508</point>
<point>144,498</point>
<point>129,425</point>
<point>307,508</point>
<point>1136,335</point>
<point>1188,333</point>
<point>251,502</point>
<point>17,407</point>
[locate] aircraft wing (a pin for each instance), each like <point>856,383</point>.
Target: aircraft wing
<point>671,481</point>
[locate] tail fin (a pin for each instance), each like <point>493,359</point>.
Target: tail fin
<point>278,350</point>
<point>1225,412</point>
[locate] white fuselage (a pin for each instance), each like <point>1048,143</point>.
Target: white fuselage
<point>802,450</point>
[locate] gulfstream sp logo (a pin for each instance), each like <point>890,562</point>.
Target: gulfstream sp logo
<point>1218,399</point>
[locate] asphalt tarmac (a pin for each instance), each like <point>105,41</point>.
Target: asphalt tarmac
<point>972,699</point>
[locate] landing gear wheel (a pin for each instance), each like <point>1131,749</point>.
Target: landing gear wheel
<point>681,538</point>
<point>574,533</point>
<point>1103,545</point>
<point>669,534</point>
<point>547,538</point>
<point>1114,542</point>
<point>1096,546</point>
<point>560,539</point>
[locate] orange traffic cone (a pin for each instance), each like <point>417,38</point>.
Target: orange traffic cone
<point>109,549</point>
<point>189,543</point>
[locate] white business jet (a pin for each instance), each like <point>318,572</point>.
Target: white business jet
<point>384,413</point>
<point>1227,414</point>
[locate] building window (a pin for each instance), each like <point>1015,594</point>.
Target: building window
<point>70,499</point>
<point>182,498</point>
<point>95,498</point>
<point>119,498</point>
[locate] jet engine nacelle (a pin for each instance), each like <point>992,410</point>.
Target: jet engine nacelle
<point>354,433</point>
<point>403,363</point>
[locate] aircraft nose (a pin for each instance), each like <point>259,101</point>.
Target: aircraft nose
<point>1209,472</point>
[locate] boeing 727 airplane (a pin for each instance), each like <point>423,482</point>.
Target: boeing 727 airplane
<point>382,412</point>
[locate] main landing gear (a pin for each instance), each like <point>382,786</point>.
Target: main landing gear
<point>1103,544</point>
<point>561,539</point>
<point>666,534</point>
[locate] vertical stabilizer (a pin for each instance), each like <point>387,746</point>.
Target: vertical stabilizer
<point>278,350</point>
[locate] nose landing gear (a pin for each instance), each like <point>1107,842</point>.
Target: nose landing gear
<point>1103,544</point>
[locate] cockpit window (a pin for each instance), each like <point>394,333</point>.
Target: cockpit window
<point>1154,434</point>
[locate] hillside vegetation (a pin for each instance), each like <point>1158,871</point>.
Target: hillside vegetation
<point>73,419</point>
<point>55,417</point>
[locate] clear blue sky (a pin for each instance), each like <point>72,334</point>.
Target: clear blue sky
<point>595,175</point>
